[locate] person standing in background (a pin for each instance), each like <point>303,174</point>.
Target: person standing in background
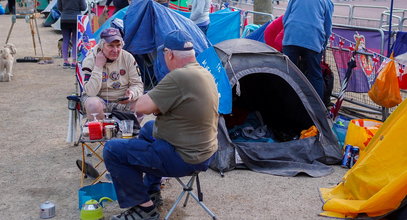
<point>200,13</point>
<point>69,9</point>
<point>11,4</point>
<point>118,4</point>
<point>307,27</point>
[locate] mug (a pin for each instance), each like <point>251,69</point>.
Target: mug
<point>110,131</point>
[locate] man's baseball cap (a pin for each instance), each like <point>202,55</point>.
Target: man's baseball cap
<point>111,34</point>
<point>178,40</point>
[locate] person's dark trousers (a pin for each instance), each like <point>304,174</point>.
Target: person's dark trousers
<point>165,4</point>
<point>12,6</point>
<point>310,65</point>
<point>128,159</point>
<point>204,28</point>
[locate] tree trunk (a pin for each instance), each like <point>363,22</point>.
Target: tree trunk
<point>262,6</point>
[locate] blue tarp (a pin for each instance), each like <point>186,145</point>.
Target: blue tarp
<point>145,26</point>
<point>400,45</point>
<point>210,60</point>
<point>225,25</point>
<point>259,33</point>
<point>147,23</point>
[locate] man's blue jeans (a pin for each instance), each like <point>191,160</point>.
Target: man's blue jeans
<point>128,159</point>
<point>309,62</point>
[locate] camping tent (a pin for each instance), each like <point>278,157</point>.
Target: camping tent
<point>265,81</point>
<point>376,184</point>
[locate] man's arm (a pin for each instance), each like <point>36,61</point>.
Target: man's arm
<point>146,105</point>
<point>136,85</point>
<point>328,21</point>
<point>93,86</point>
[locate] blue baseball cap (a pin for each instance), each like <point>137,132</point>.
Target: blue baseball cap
<point>111,34</point>
<point>178,40</point>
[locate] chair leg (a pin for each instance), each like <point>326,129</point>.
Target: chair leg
<point>188,188</point>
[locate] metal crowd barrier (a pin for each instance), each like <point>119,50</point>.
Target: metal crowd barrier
<point>372,21</point>
<point>359,102</point>
<point>350,15</point>
<point>399,17</point>
<point>344,18</point>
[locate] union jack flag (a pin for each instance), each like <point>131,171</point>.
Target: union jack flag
<point>85,41</point>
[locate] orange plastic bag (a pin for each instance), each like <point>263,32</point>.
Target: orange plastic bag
<point>361,131</point>
<point>385,90</point>
<point>310,132</point>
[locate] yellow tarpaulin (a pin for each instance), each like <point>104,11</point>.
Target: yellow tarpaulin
<point>377,183</point>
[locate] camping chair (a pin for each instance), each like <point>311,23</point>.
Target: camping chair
<point>76,122</point>
<point>188,188</point>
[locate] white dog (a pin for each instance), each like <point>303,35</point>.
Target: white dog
<point>6,62</point>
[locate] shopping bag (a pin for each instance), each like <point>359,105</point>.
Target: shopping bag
<point>361,131</point>
<point>340,127</point>
<point>385,90</point>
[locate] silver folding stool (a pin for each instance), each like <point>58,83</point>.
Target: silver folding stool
<point>188,188</point>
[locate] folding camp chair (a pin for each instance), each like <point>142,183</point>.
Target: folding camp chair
<point>75,130</point>
<point>188,188</point>
<point>77,120</point>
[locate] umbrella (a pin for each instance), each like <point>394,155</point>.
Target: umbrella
<point>351,64</point>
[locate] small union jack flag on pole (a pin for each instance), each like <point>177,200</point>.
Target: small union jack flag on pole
<point>85,41</point>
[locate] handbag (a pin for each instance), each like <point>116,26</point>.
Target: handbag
<point>385,90</point>
<point>103,17</point>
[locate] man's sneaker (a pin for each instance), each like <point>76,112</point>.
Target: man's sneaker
<point>73,65</point>
<point>136,213</point>
<point>157,199</point>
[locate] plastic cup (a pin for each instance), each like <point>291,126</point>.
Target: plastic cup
<point>127,128</point>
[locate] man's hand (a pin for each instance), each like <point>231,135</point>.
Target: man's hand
<point>100,60</point>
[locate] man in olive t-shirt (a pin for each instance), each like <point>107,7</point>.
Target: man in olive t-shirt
<point>181,140</point>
